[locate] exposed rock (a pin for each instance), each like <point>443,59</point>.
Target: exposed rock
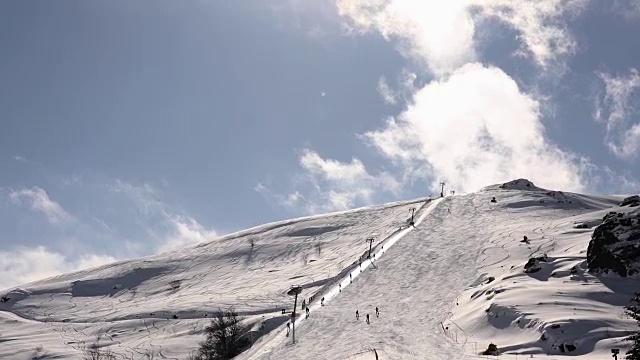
<point>581,226</point>
<point>559,196</point>
<point>519,184</point>
<point>633,200</point>
<point>615,244</point>
<point>492,349</point>
<point>533,265</point>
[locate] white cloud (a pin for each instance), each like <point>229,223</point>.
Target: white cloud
<point>335,185</point>
<point>38,199</point>
<point>543,34</point>
<point>473,129</point>
<point>436,33</point>
<point>629,9</point>
<point>385,91</point>
<point>20,158</point>
<point>178,230</point>
<point>22,265</point>
<point>186,232</point>
<point>341,185</point>
<point>472,125</point>
<point>617,108</point>
<point>145,196</point>
<point>441,33</point>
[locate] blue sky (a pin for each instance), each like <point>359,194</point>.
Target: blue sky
<point>131,128</point>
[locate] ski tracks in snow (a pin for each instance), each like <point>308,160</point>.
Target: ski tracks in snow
<point>266,346</point>
<point>442,249</point>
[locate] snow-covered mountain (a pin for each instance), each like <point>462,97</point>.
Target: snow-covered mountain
<point>506,265</point>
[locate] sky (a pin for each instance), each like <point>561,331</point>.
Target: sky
<point>134,128</point>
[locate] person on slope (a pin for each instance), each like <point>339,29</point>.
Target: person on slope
<point>307,310</point>
<point>304,303</point>
<point>367,318</point>
<point>288,328</point>
<point>322,301</point>
<point>377,312</point>
<point>357,315</point>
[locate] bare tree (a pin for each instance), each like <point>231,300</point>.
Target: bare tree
<point>224,337</point>
<point>95,353</point>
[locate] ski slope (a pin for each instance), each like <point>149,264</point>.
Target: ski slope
<point>445,289</point>
<point>259,350</point>
<point>160,304</point>
<point>413,285</point>
<point>433,287</point>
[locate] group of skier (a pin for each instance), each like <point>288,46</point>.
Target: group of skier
<point>368,322</point>
<point>357,315</point>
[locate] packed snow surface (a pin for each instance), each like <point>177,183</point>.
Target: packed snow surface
<point>445,288</point>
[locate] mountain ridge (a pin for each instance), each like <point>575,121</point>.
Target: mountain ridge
<point>162,302</point>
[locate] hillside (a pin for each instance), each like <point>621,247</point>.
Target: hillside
<point>130,306</point>
<point>445,289</point>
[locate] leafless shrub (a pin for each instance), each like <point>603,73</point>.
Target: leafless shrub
<point>95,353</point>
<point>224,339</point>
<point>175,284</point>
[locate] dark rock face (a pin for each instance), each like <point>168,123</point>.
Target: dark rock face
<point>492,349</point>
<point>519,184</point>
<point>631,201</point>
<point>534,264</point>
<point>615,244</point>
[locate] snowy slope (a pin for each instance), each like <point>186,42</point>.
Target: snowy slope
<point>561,309</point>
<point>433,291</point>
<point>445,289</point>
<point>130,306</point>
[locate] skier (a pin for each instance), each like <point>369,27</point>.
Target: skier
<point>377,312</point>
<point>357,315</point>
<point>303,304</point>
<point>288,328</point>
<point>307,309</point>
<point>322,301</point>
<point>350,279</point>
<point>367,318</point>
<point>340,286</point>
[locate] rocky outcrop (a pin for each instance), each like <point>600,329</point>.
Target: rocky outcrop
<point>615,244</point>
<point>492,349</point>
<point>519,184</point>
<point>535,264</point>
<point>631,201</point>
